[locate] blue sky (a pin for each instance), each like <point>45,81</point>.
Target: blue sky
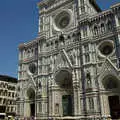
<point>18,24</point>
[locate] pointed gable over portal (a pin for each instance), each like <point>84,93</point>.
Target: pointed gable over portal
<point>108,68</point>
<point>62,61</point>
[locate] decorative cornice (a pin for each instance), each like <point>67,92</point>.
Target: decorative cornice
<point>73,44</point>
<point>28,44</point>
<point>117,5</point>
<point>45,3</point>
<point>28,60</point>
<point>46,8</point>
<point>101,15</point>
<point>105,13</point>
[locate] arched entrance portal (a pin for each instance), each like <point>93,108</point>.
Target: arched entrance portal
<point>112,85</point>
<point>64,80</point>
<point>31,99</point>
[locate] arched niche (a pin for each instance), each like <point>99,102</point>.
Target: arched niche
<point>111,82</point>
<point>29,107</point>
<point>63,78</point>
<point>31,94</point>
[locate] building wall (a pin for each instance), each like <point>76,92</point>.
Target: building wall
<point>8,95</point>
<point>86,48</point>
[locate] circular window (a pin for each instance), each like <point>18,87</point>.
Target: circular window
<point>106,47</point>
<point>106,50</point>
<point>32,68</point>
<point>62,20</point>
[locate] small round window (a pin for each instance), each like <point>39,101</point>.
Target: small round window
<point>106,48</point>
<point>32,68</point>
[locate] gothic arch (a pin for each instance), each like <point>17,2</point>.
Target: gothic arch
<point>63,77</point>
<point>29,105</point>
<point>104,79</point>
<point>28,53</point>
<point>111,88</point>
<point>102,27</point>
<point>27,88</point>
<point>109,25</point>
<point>110,82</point>
<point>95,29</point>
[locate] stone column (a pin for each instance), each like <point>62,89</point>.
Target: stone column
<point>116,20</point>
<point>26,108</point>
<point>49,98</point>
<point>36,102</point>
<point>105,111</point>
<point>22,108</point>
<point>53,97</point>
<point>50,26</point>
<point>76,95</point>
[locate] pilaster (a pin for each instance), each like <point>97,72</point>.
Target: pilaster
<point>105,112</point>
<point>76,95</point>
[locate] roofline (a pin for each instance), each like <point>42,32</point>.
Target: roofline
<point>115,5</point>
<point>31,42</point>
<point>8,78</point>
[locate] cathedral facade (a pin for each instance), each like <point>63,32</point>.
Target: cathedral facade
<point>71,70</point>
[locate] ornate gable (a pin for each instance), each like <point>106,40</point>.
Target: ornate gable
<point>108,68</point>
<point>62,61</point>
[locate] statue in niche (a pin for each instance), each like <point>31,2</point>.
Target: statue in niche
<point>50,65</point>
<point>88,79</point>
<point>72,57</point>
<point>56,108</point>
<point>40,85</point>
